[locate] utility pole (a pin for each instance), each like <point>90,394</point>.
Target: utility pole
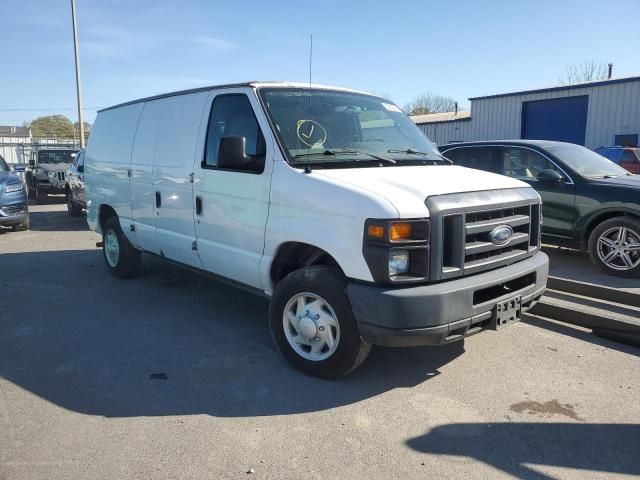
<point>78,86</point>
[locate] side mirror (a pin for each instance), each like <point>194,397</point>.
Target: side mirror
<point>80,168</point>
<point>32,163</point>
<point>232,154</point>
<point>18,167</point>
<point>549,175</point>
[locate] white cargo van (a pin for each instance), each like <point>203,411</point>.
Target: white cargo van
<point>329,201</point>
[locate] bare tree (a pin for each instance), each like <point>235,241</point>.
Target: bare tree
<point>587,71</point>
<point>429,103</point>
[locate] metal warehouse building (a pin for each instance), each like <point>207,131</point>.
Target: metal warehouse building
<point>592,114</point>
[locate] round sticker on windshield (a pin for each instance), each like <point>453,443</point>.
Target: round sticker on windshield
<point>311,133</point>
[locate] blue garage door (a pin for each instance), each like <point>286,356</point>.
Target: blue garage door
<point>561,119</point>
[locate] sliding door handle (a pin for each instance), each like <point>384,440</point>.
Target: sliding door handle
<point>198,205</point>
<point>158,200</point>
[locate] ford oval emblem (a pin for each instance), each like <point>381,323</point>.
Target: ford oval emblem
<point>501,234</point>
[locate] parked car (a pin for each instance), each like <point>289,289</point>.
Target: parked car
<point>627,157</point>
<point>588,202</point>
<point>329,201</point>
<point>74,186</point>
<point>46,172</point>
<point>14,211</point>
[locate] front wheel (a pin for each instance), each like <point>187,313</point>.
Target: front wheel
<point>312,323</point>
<point>614,246</point>
<point>74,209</point>
<point>122,258</point>
<point>22,227</point>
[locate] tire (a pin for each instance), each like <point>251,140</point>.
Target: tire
<point>41,196</point>
<point>126,263</point>
<point>72,207</point>
<point>326,286</point>
<point>614,246</point>
<point>22,227</point>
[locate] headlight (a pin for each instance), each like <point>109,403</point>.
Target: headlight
<point>398,262</point>
<point>397,251</point>
<point>52,175</point>
<point>13,187</point>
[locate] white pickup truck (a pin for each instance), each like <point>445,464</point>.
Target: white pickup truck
<point>329,201</point>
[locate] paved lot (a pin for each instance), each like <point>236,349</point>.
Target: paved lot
<point>80,397</point>
<point>576,265</point>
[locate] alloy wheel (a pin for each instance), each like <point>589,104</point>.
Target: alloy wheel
<point>619,248</point>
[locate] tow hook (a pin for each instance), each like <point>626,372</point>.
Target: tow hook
<point>99,244</point>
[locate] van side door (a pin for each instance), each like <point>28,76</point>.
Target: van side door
<point>143,208</point>
<point>232,205</point>
<point>175,150</point>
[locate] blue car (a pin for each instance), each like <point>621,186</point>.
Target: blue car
<point>14,210</point>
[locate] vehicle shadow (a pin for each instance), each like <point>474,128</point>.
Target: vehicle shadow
<point>170,342</point>
<point>56,221</point>
<point>515,448</point>
<point>578,334</point>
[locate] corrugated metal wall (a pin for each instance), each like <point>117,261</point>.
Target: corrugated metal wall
<point>614,109</point>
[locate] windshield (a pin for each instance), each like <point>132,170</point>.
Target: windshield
<point>56,156</point>
<point>3,165</point>
<point>587,163</point>
<point>345,129</point>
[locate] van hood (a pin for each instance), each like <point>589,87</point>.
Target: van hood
<point>408,187</point>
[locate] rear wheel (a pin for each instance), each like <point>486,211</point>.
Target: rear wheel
<point>312,323</point>
<point>74,209</point>
<point>614,246</point>
<point>122,258</point>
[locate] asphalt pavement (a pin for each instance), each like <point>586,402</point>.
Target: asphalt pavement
<point>174,375</point>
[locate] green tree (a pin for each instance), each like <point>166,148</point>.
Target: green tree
<point>54,126</point>
<point>87,130</point>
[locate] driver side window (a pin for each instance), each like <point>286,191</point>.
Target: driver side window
<point>232,116</point>
<point>525,164</point>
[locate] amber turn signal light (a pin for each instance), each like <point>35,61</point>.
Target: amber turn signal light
<point>400,231</point>
<point>376,231</point>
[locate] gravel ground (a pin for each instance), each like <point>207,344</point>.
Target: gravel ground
<point>173,375</point>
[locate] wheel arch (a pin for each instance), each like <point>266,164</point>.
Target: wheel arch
<point>291,256</point>
<point>104,213</point>
<point>600,217</point>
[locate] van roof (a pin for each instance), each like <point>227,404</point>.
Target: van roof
<point>253,84</point>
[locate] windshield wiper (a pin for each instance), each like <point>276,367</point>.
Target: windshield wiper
<point>339,151</point>
<point>411,151</point>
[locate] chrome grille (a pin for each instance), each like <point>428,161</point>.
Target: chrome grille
<point>461,226</point>
<point>60,176</point>
<point>14,210</point>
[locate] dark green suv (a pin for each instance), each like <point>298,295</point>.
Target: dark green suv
<point>589,202</point>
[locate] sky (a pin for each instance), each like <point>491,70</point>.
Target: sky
<point>398,49</point>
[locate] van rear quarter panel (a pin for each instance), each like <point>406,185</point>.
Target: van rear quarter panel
<point>107,163</point>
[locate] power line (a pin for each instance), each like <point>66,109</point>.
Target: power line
<point>44,109</point>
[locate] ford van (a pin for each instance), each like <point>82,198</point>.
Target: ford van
<point>330,202</point>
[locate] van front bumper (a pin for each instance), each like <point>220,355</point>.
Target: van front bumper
<point>447,311</point>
